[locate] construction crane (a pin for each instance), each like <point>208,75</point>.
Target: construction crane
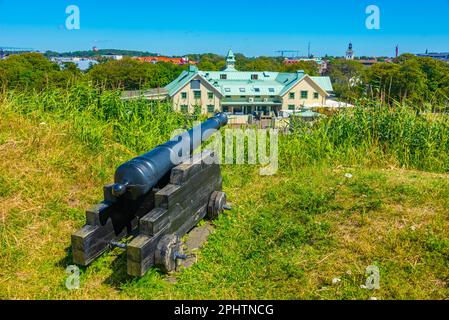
<point>3,49</point>
<point>282,52</point>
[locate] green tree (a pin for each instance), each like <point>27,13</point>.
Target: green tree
<point>130,74</point>
<point>413,79</point>
<point>347,77</point>
<point>30,71</point>
<point>310,67</point>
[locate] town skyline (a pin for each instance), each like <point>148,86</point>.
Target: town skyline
<point>289,54</point>
<point>215,28</point>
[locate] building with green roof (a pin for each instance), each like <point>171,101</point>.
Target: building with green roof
<point>239,92</point>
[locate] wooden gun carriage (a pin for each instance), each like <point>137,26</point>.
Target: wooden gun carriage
<point>157,200</point>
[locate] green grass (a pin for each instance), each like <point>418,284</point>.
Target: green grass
<point>288,236</point>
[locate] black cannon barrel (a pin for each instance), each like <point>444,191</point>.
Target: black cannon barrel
<point>139,175</point>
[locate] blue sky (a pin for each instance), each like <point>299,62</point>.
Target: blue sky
<point>248,26</point>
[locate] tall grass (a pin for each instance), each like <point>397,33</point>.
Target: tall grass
<point>367,134</point>
<point>100,118</point>
<point>373,134</point>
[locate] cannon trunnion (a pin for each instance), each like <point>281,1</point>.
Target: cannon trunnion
<point>158,212</point>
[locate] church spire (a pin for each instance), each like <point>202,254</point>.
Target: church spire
<point>350,52</point>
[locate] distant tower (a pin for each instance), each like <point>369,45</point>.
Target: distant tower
<point>350,53</point>
<point>230,61</point>
<point>397,51</point>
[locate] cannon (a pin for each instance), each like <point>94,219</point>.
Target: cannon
<point>156,199</point>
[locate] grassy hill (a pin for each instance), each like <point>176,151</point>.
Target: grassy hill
<point>289,236</point>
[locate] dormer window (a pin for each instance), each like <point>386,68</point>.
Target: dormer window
<point>227,89</point>
<point>242,90</point>
<point>257,89</point>
<point>271,89</point>
<point>195,84</point>
<point>254,77</point>
<point>223,76</point>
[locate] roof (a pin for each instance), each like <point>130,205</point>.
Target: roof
<point>156,59</point>
<point>247,83</point>
<point>324,82</point>
<point>150,93</point>
<point>183,79</point>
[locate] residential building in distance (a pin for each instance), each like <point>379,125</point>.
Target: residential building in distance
<point>82,63</point>
<point>113,56</point>
<point>179,61</point>
<point>368,62</point>
<point>241,93</point>
<point>322,64</point>
<point>443,56</point>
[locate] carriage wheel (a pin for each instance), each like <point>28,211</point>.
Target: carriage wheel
<point>216,204</point>
<point>167,251</point>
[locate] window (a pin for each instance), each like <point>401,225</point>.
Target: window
<point>291,107</point>
<point>195,84</point>
<point>254,77</point>
<point>184,95</point>
<point>257,89</point>
<point>210,95</point>
<point>291,95</point>
<point>271,89</point>
<point>228,97</point>
<point>316,95</point>
<point>197,94</point>
<point>227,89</point>
<point>223,76</point>
<point>242,97</point>
<point>242,90</point>
<point>304,94</point>
<point>184,108</point>
<point>211,108</point>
